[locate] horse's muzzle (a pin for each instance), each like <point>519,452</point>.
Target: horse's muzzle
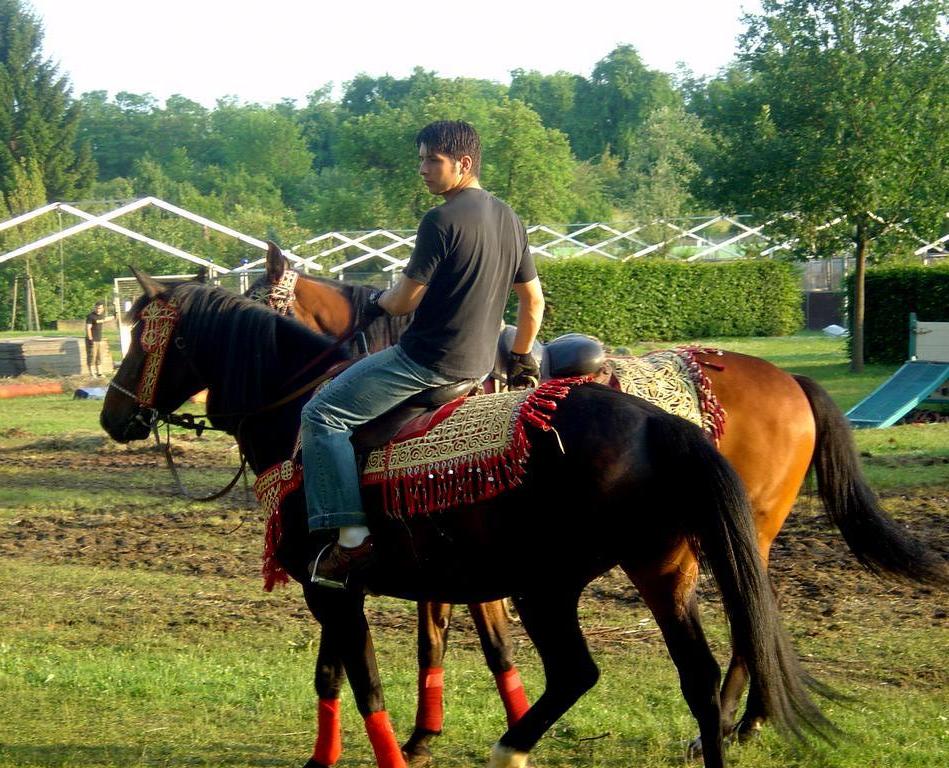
<point>136,426</point>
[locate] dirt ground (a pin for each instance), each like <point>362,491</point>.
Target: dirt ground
<point>819,582</point>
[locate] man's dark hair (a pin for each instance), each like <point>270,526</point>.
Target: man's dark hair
<point>100,304</point>
<point>453,138</point>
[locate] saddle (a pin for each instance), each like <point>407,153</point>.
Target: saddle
<point>410,417</point>
<point>573,354</point>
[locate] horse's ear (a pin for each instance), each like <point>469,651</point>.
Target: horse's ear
<point>150,285</point>
<point>201,276</point>
<point>276,261</point>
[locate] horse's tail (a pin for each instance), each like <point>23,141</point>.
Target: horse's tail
<point>877,541</point>
<point>722,534</point>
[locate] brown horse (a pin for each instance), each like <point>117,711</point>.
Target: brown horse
<point>584,503</point>
<point>778,426</point>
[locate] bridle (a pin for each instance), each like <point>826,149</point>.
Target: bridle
<point>279,295</point>
<point>159,318</point>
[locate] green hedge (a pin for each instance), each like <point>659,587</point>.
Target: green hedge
<point>891,294</point>
<point>669,301</point>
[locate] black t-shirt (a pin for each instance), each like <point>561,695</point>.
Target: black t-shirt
<point>96,321</point>
<point>469,251</point>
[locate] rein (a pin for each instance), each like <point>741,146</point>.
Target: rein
<point>183,420</point>
<point>159,319</point>
<point>187,421</point>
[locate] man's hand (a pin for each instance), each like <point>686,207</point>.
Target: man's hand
<point>373,309</point>
<point>522,371</point>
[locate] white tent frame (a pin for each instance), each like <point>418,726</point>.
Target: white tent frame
<point>106,221</point>
<point>340,242</point>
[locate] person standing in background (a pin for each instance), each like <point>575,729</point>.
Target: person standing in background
<point>94,321</point>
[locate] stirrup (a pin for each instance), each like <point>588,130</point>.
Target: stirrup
<point>322,581</point>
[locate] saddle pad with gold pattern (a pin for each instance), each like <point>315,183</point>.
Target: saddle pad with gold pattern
<point>475,452</point>
<point>472,455</point>
<point>674,381</point>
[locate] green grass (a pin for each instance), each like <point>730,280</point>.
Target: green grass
<point>136,662</point>
<point>49,415</point>
<point>118,668</point>
<point>64,417</point>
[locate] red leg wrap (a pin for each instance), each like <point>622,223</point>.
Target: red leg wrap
<point>382,737</point>
<point>512,694</point>
<point>329,744</point>
<point>431,710</point>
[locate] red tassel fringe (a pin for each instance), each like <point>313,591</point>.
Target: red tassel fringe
<point>713,414</point>
<point>436,488</point>
<point>271,488</point>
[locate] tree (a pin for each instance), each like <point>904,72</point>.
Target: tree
<point>123,130</point>
<point>662,170</point>
<point>38,117</point>
<point>319,122</point>
<point>620,95</point>
<point>262,141</point>
<point>376,176</point>
<point>119,131</point>
<point>529,166</point>
<point>837,110</point>
<point>553,97</point>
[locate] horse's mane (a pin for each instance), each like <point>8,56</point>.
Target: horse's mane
<point>380,334</point>
<point>256,350</point>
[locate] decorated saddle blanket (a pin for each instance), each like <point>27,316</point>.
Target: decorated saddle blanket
<point>675,381</point>
<point>472,450</point>
<point>469,451</point>
<point>466,452</point>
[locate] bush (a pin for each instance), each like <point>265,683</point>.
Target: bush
<point>669,301</point>
<point>891,294</point>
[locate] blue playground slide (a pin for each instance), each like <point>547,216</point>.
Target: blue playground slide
<point>904,390</point>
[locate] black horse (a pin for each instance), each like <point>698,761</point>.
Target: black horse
<point>620,483</point>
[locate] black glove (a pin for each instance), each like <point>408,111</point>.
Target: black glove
<point>522,371</point>
<point>372,310</point>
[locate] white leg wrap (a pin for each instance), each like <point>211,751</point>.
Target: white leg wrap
<point>505,757</point>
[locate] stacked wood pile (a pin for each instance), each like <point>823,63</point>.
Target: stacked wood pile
<point>44,356</point>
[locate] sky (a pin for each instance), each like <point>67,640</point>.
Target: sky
<point>263,52</point>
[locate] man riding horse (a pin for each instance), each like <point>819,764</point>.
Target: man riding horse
<point>469,252</point>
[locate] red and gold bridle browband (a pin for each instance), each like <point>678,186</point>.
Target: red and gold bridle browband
<point>158,320</point>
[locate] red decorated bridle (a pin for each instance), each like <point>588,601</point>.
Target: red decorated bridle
<point>158,319</point>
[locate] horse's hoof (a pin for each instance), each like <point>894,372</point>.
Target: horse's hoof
<point>693,752</point>
<point>417,760</point>
<point>505,757</point>
<point>745,732</point>
<point>311,763</point>
<point>417,755</point>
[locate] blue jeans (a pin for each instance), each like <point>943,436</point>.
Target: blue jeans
<point>362,392</point>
